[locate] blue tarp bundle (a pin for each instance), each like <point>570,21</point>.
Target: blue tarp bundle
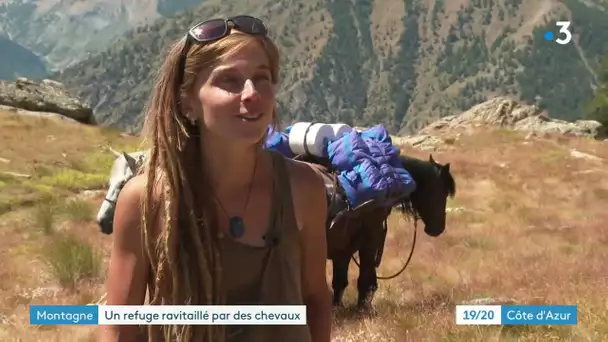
<point>368,164</point>
<point>369,167</point>
<point>279,142</point>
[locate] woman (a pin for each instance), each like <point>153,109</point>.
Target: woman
<point>223,220</point>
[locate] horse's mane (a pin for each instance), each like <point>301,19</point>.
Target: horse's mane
<point>423,167</point>
<point>451,184</point>
<point>420,169</point>
<point>415,165</point>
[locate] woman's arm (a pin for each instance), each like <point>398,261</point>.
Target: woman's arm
<point>312,207</point>
<point>128,269</point>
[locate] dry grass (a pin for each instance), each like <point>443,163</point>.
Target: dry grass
<point>530,230</point>
<point>50,246</point>
<point>42,158</point>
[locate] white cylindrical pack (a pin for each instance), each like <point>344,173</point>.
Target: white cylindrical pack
<point>315,135</point>
<point>340,129</point>
<point>296,137</point>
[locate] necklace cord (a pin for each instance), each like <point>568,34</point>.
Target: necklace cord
<point>236,224</point>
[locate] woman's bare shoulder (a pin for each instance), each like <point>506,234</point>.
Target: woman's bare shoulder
<point>129,208</point>
<point>134,188</point>
<point>307,182</point>
<point>310,203</point>
<point>137,186</point>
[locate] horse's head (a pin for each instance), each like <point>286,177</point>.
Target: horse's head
<point>434,183</point>
<point>124,168</point>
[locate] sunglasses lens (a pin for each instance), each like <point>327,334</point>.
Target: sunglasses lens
<point>209,30</point>
<point>249,25</point>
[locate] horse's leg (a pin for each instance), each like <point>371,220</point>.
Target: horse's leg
<point>367,284</point>
<point>340,276</point>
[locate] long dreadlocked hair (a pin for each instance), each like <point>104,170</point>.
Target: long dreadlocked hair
<point>185,255</point>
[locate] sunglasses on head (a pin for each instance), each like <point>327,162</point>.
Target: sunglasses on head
<point>215,29</point>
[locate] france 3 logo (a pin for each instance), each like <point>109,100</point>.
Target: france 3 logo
<point>563,37</point>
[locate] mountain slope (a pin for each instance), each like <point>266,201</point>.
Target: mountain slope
<point>531,230</point>
<point>397,62</point>
<point>68,31</point>
<point>17,61</point>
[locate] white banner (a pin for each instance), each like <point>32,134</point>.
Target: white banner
<point>202,315</point>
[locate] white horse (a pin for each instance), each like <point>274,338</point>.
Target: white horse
<point>124,168</point>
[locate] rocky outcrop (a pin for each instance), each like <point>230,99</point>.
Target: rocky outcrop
<point>45,98</point>
<point>499,112</point>
<point>507,113</point>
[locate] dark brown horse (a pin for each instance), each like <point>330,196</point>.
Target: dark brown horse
<point>364,229</point>
<point>360,230</point>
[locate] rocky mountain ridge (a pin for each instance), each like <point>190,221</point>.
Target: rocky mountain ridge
<point>51,98</point>
<point>64,32</point>
<point>403,63</point>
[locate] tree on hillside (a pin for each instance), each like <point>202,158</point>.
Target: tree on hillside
<point>598,107</point>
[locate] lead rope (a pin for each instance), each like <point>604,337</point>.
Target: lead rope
<point>409,258</point>
<point>380,251</point>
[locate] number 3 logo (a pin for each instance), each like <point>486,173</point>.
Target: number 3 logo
<point>564,28</point>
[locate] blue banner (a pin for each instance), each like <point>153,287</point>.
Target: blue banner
<point>64,314</point>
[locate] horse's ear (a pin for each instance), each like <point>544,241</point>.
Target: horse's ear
<point>130,161</point>
<point>447,167</point>
<point>431,159</point>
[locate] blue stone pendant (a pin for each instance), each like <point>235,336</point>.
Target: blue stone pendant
<point>236,227</point>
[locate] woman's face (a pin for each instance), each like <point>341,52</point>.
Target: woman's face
<point>236,98</point>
